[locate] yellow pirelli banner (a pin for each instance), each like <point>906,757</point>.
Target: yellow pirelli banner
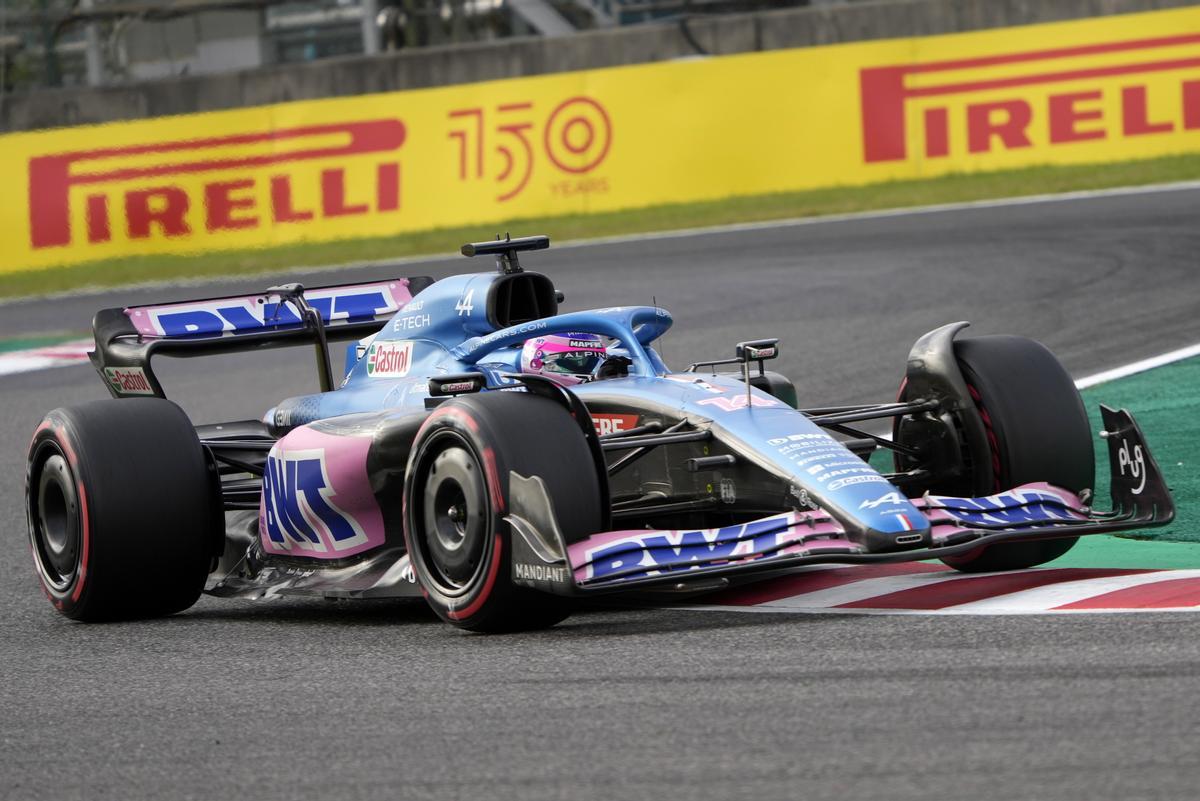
<point>1095,90</point>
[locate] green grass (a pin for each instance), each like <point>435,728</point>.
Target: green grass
<point>837,200</point>
<point>10,344</point>
<point>1166,403</point>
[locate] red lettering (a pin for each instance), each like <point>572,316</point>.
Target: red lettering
<point>49,212</point>
<point>281,201</point>
<point>51,177</point>
<point>395,361</point>
<point>97,219</point>
<point>1191,105</point>
<point>885,91</point>
<point>132,381</point>
<point>981,126</point>
<point>387,187</point>
<point>882,96</point>
<point>1135,118</point>
<point>169,214</point>
<point>937,132</point>
<point>1065,117</point>
<point>333,195</point>
<point>220,204</point>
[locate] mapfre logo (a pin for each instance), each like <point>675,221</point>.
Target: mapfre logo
<point>1061,96</point>
<point>145,183</point>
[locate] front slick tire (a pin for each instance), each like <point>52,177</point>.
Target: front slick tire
<point>119,509</point>
<point>1037,431</point>
<point>457,494</point>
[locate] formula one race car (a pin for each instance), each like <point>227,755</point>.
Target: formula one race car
<point>502,459</point>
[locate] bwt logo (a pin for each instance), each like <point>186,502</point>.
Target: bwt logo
<point>298,509</point>
<point>1069,116</point>
<point>227,204</point>
<point>256,313</point>
<point>1011,508</point>
<point>661,551</point>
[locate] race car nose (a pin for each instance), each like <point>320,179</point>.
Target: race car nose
<point>907,535</point>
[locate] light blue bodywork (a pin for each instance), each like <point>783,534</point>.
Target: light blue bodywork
<point>448,327</point>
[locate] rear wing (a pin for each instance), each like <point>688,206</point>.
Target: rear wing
<point>282,316</point>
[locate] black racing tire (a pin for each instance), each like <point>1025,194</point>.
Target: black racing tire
<point>456,493</point>
<point>1037,430</point>
<point>120,511</point>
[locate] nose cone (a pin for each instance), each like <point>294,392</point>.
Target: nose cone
<point>896,532</point>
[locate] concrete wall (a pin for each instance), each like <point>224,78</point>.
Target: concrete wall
<point>723,35</point>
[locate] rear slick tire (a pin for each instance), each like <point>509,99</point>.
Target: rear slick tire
<point>120,510</point>
<point>457,494</point>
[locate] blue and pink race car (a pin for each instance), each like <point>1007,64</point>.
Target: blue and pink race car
<point>503,460</point>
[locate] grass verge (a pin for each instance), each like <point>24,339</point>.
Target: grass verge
<point>838,200</point>
<point>18,343</point>
<point>1166,403</point>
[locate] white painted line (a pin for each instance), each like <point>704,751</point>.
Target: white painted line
<point>1066,592</point>
<point>677,233</point>
<point>790,222</point>
<point>63,354</point>
<point>1033,601</point>
<point>862,590</point>
<point>16,363</point>
<point>912,612</point>
<point>1133,368</point>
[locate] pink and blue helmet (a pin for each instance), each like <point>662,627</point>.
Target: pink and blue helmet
<point>567,358</point>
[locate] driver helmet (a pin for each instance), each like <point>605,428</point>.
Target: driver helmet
<point>567,358</point>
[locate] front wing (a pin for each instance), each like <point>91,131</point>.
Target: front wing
<point>684,559</point>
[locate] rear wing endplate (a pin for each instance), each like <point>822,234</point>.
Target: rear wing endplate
<point>127,338</point>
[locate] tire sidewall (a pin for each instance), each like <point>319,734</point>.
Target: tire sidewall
<point>53,437</point>
<point>507,432</point>
<point>460,424</point>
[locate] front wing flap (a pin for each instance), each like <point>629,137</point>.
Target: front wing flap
<point>646,559</point>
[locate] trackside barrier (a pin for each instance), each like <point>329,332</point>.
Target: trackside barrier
<point>1094,90</point>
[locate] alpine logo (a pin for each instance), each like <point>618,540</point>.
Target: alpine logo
<point>389,359</point>
<point>889,499</point>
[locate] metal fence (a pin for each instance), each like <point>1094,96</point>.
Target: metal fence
<point>50,43</point>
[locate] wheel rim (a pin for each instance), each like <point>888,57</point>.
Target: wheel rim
<point>56,526</point>
<point>455,516</point>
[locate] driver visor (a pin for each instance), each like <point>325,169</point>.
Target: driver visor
<point>576,362</point>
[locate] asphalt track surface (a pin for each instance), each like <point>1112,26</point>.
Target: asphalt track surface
<point>321,700</point>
